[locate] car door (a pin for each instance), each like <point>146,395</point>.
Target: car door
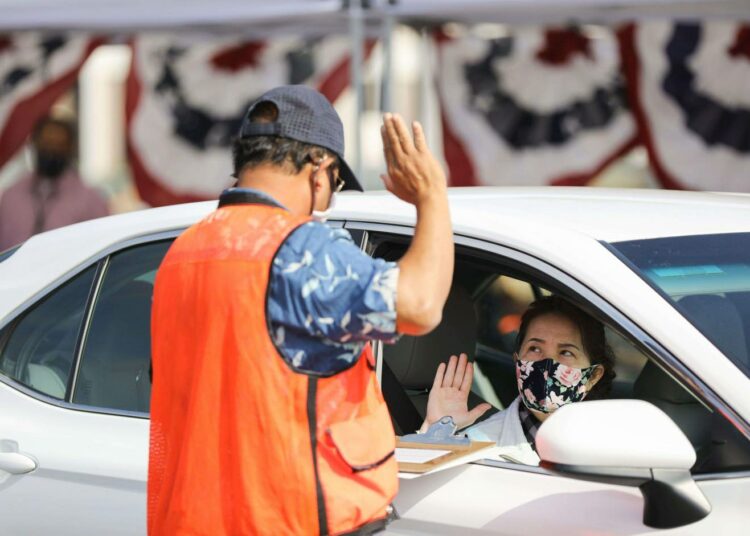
<point>495,496</point>
<point>74,388</point>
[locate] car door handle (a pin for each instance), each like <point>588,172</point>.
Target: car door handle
<point>16,463</point>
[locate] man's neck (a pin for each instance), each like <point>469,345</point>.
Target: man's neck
<point>290,190</point>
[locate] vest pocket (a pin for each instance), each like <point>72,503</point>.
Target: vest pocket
<point>366,442</point>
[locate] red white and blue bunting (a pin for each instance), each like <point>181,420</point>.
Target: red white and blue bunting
<point>536,107</point>
<point>186,99</point>
<point>690,89</point>
<point>35,70</point>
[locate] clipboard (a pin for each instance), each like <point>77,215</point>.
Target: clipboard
<point>454,452</point>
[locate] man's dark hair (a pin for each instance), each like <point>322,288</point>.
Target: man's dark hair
<point>292,155</point>
<point>592,336</point>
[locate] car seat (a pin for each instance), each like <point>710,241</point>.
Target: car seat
<point>718,316</point>
<point>719,319</point>
<point>410,365</point>
<point>657,387</point>
<point>115,368</point>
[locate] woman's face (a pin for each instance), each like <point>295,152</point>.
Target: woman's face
<point>554,336</point>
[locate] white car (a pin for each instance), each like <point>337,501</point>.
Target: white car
<point>668,273</point>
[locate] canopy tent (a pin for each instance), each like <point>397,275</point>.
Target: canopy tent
<point>323,16</point>
<point>260,19</point>
<point>562,11</point>
<point>129,15</point>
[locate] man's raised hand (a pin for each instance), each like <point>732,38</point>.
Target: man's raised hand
<point>414,174</point>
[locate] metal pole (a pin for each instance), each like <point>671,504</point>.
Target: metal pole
<point>357,35</point>
<point>425,87</point>
<point>386,80</point>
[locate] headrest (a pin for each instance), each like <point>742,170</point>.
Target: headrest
<point>655,384</point>
<point>414,360</point>
<point>718,317</point>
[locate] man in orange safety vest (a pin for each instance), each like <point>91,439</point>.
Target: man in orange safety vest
<point>266,416</point>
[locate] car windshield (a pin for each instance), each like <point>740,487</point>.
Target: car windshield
<point>707,279</point>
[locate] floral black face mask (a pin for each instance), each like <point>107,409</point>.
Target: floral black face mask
<point>545,385</point>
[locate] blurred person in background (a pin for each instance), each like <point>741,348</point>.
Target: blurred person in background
<point>53,195</point>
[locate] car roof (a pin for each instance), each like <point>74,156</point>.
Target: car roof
<point>603,214</point>
<point>547,222</point>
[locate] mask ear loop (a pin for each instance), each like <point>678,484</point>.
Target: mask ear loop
<point>315,169</point>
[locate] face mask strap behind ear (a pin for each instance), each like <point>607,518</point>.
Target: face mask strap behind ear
<point>321,215</point>
<point>315,169</point>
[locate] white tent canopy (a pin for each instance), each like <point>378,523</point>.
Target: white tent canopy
<point>546,11</point>
<point>324,16</point>
<point>124,15</point>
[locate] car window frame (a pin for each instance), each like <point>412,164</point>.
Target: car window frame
<point>544,272</point>
<point>8,253</point>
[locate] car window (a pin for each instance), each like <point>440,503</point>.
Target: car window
<point>115,369</point>
<point>38,350</point>
<point>8,252</point>
<point>707,279</point>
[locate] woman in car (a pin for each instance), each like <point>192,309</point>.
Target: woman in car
<point>561,356</point>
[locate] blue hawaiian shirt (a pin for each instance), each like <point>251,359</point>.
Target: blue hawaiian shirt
<point>327,298</point>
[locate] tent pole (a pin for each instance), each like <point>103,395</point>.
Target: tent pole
<point>386,80</point>
<point>425,86</point>
<point>357,36</point>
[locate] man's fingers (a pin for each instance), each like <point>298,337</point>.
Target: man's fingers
<point>439,376</point>
<point>402,133</point>
<point>420,142</point>
<point>394,145</point>
<point>387,150</point>
<point>468,377</point>
<point>450,371</point>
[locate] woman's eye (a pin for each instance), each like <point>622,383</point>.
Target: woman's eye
<point>567,353</point>
<point>534,349</point>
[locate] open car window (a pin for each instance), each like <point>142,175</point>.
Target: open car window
<point>494,293</point>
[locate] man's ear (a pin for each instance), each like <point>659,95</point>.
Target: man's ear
<point>320,172</point>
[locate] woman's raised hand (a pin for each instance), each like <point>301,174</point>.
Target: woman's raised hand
<point>450,394</point>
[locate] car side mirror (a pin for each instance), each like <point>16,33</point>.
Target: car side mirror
<point>631,443</point>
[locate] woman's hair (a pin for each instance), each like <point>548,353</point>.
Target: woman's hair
<point>592,336</point>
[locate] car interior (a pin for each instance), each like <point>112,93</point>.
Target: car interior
<point>115,370</point>
<point>37,349</point>
<point>115,365</point>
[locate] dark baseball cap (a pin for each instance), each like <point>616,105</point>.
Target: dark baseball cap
<point>305,115</point>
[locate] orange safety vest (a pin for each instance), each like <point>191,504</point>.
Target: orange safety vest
<point>241,443</point>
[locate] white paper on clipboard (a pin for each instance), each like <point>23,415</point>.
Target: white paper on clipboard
<point>418,455</point>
